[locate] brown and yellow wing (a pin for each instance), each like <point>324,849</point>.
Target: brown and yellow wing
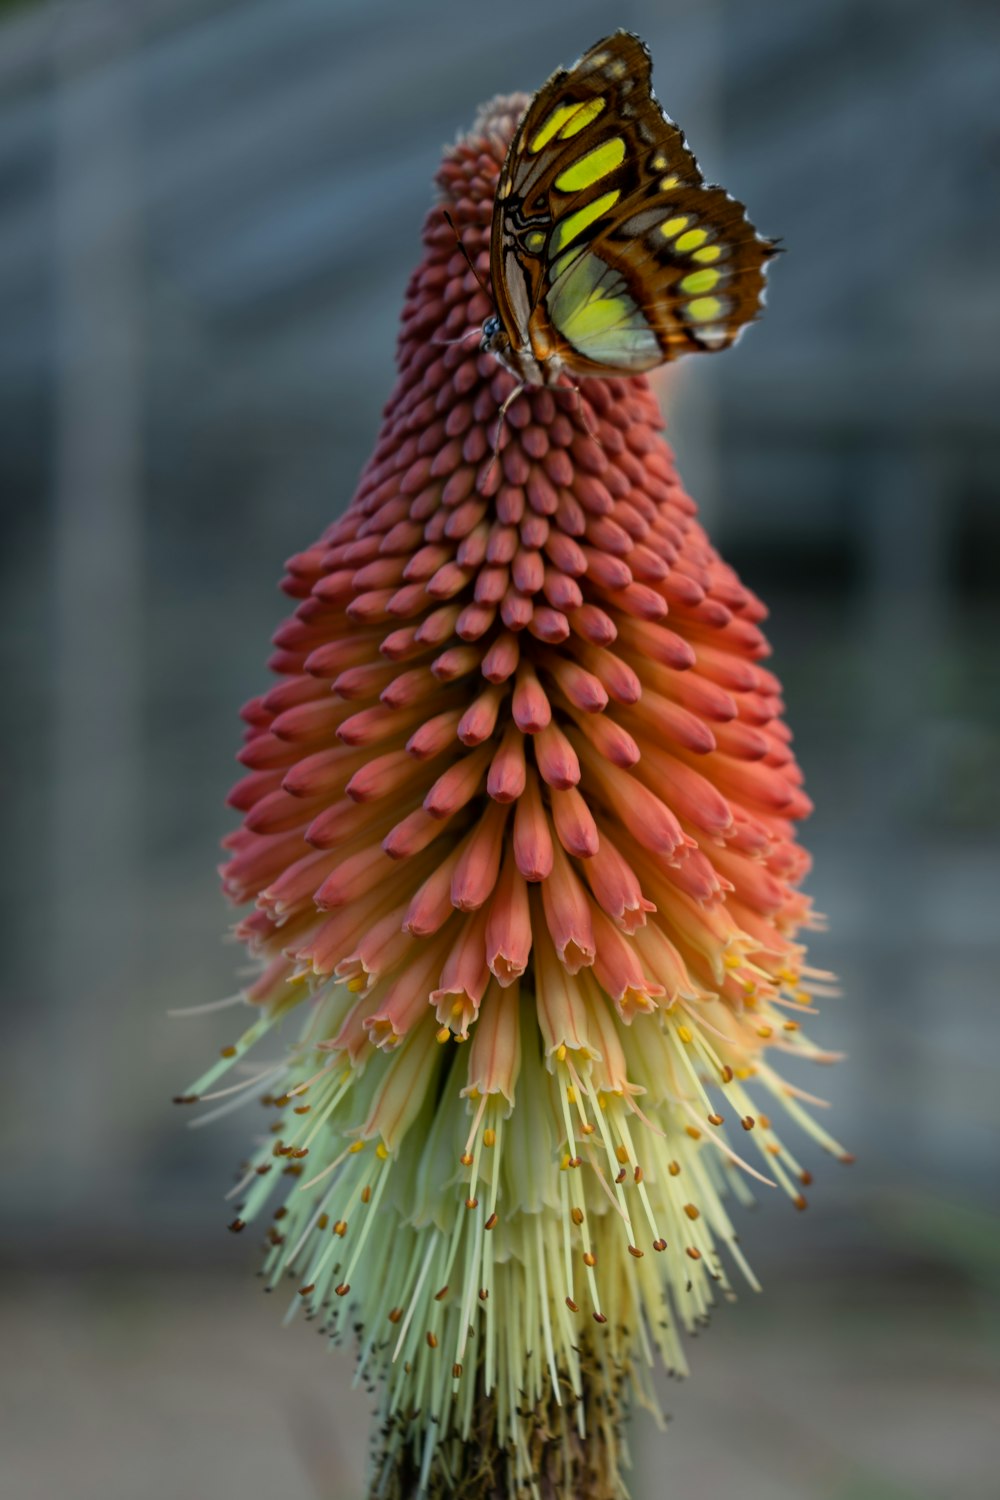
<point>608,249</point>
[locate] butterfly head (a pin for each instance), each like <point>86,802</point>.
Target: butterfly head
<point>494,341</point>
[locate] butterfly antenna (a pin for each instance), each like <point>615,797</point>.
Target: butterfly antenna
<point>468,258</point>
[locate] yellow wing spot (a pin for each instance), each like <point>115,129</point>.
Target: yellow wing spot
<point>592,166</point>
<point>659,162</point>
<point>596,316</point>
<point>692,240</point>
<point>568,228</point>
<point>666,183</point>
<point>704,309</point>
<point>555,122</point>
<point>700,281</point>
<point>562,264</point>
<point>582,118</point>
<point>536,239</point>
<point>673,226</point>
<point>707,255</point>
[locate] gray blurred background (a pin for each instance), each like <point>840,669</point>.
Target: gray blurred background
<point>209,210</point>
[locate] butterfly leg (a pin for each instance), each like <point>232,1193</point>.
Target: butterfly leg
<point>571,385</point>
<point>468,334</point>
<point>501,419</point>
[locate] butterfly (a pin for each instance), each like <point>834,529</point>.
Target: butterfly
<point>609,253</point>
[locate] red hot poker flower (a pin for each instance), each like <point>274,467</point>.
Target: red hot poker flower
<point>519,838</point>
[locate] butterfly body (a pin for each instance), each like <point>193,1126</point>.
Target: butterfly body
<point>609,253</point>
<point>520,362</point>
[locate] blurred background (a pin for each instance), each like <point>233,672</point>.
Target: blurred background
<point>209,209</point>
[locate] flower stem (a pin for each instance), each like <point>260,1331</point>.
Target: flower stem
<point>564,1453</point>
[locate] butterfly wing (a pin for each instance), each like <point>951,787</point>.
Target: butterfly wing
<point>608,250</point>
